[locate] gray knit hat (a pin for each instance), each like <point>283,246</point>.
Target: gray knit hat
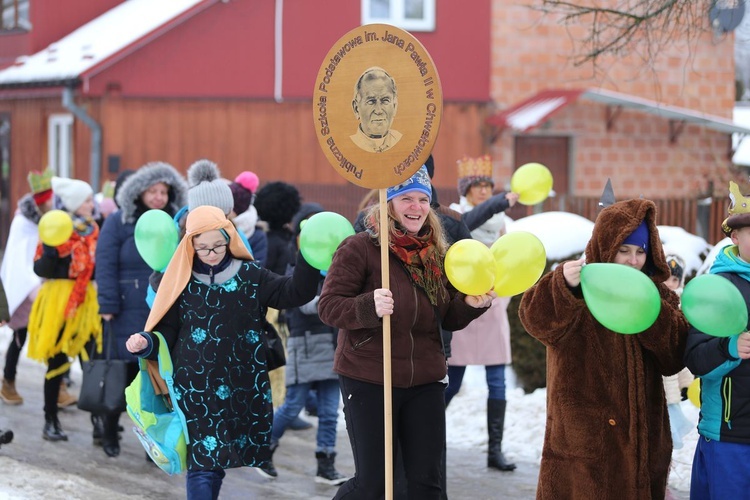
<point>206,187</point>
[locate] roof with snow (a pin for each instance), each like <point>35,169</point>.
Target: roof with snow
<point>534,111</point>
<point>96,42</point>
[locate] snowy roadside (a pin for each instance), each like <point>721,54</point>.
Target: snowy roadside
<point>524,425</point>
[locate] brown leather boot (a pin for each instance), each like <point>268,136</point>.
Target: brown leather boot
<point>64,398</point>
<point>8,393</point>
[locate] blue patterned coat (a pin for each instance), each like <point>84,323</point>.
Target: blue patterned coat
<point>220,377</point>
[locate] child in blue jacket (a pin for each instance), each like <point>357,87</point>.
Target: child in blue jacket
<point>723,450</point>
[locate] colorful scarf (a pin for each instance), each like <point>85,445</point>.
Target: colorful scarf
<point>422,260</point>
<point>81,247</point>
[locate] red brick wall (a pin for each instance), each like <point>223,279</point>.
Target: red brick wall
<point>532,52</point>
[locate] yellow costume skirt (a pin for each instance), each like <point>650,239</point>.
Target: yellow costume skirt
<point>51,334</point>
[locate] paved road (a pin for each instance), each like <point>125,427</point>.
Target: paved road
<point>29,459</point>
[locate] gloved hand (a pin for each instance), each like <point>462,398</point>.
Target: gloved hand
<point>49,251</point>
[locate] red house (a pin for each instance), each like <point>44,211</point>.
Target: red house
<point>91,88</point>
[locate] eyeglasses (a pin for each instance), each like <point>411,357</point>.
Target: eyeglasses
<point>205,252</point>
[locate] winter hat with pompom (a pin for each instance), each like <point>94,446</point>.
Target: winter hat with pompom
<point>248,180</point>
<point>206,187</point>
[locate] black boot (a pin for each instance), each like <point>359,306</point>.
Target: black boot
<point>495,424</point>
<point>327,473</point>
<point>6,437</point>
<point>267,469</point>
<point>53,430</point>
<point>97,421</point>
<point>110,437</point>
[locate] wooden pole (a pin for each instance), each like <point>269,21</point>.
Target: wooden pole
<point>387,389</point>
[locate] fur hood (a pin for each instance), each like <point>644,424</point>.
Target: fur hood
<point>615,223</point>
<point>28,208</point>
<point>128,195</point>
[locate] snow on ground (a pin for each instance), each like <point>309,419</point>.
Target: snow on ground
<point>563,235</point>
<point>466,423</point>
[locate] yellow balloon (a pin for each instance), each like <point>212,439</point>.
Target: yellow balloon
<point>533,182</point>
<point>55,228</point>
<point>694,392</point>
<point>520,260</point>
<point>470,267</point>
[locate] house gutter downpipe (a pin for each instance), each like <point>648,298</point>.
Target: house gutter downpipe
<point>96,135</point>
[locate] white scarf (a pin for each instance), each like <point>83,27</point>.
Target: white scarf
<point>488,232</point>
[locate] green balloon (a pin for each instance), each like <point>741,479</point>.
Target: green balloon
<point>321,235</point>
<point>620,297</point>
<point>713,305</point>
<point>156,238</point>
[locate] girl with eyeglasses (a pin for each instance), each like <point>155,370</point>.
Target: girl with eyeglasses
<point>210,307</point>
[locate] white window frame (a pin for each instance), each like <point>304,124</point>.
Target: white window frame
<point>60,144</point>
<point>397,18</point>
<point>14,15</point>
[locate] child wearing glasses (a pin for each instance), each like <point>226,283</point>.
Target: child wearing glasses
<point>210,307</point>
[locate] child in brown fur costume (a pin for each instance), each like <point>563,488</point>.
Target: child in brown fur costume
<point>607,433</point>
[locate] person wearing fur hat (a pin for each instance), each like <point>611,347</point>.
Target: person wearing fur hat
<point>418,301</point>
<point>209,309</point>
<point>721,363</point>
<point>607,433</point>
<point>65,314</point>
<point>277,202</point>
<point>485,341</point>
<point>246,215</point>
<point>122,274</point>
<point>18,268</point>
<point>310,349</point>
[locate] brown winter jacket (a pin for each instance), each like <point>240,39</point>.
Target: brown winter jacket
<point>607,434</point>
<point>347,302</point>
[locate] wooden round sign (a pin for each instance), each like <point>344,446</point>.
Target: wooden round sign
<point>377,105</point>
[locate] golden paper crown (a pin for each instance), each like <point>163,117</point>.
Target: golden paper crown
<point>475,167</point>
<point>739,210</point>
<point>739,204</point>
<point>40,181</point>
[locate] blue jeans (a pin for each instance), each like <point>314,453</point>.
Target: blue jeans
<point>328,412</point>
<point>204,484</point>
<point>495,381</point>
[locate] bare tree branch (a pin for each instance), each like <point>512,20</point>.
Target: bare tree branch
<point>624,27</point>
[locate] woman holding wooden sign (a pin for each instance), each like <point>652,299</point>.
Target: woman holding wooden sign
<point>419,301</point>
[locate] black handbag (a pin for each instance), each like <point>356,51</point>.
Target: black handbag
<point>104,381</point>
<point>275,356</point>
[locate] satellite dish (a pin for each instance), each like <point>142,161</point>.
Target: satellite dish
<point>726,15</point>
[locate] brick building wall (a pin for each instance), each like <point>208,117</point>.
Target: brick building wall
<point>531,52</point>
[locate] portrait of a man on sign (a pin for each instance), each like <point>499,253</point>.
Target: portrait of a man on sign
<point>375,103</point>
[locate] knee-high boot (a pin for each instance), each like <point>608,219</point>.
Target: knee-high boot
<point>111,438</point>
<point>495,424</point>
